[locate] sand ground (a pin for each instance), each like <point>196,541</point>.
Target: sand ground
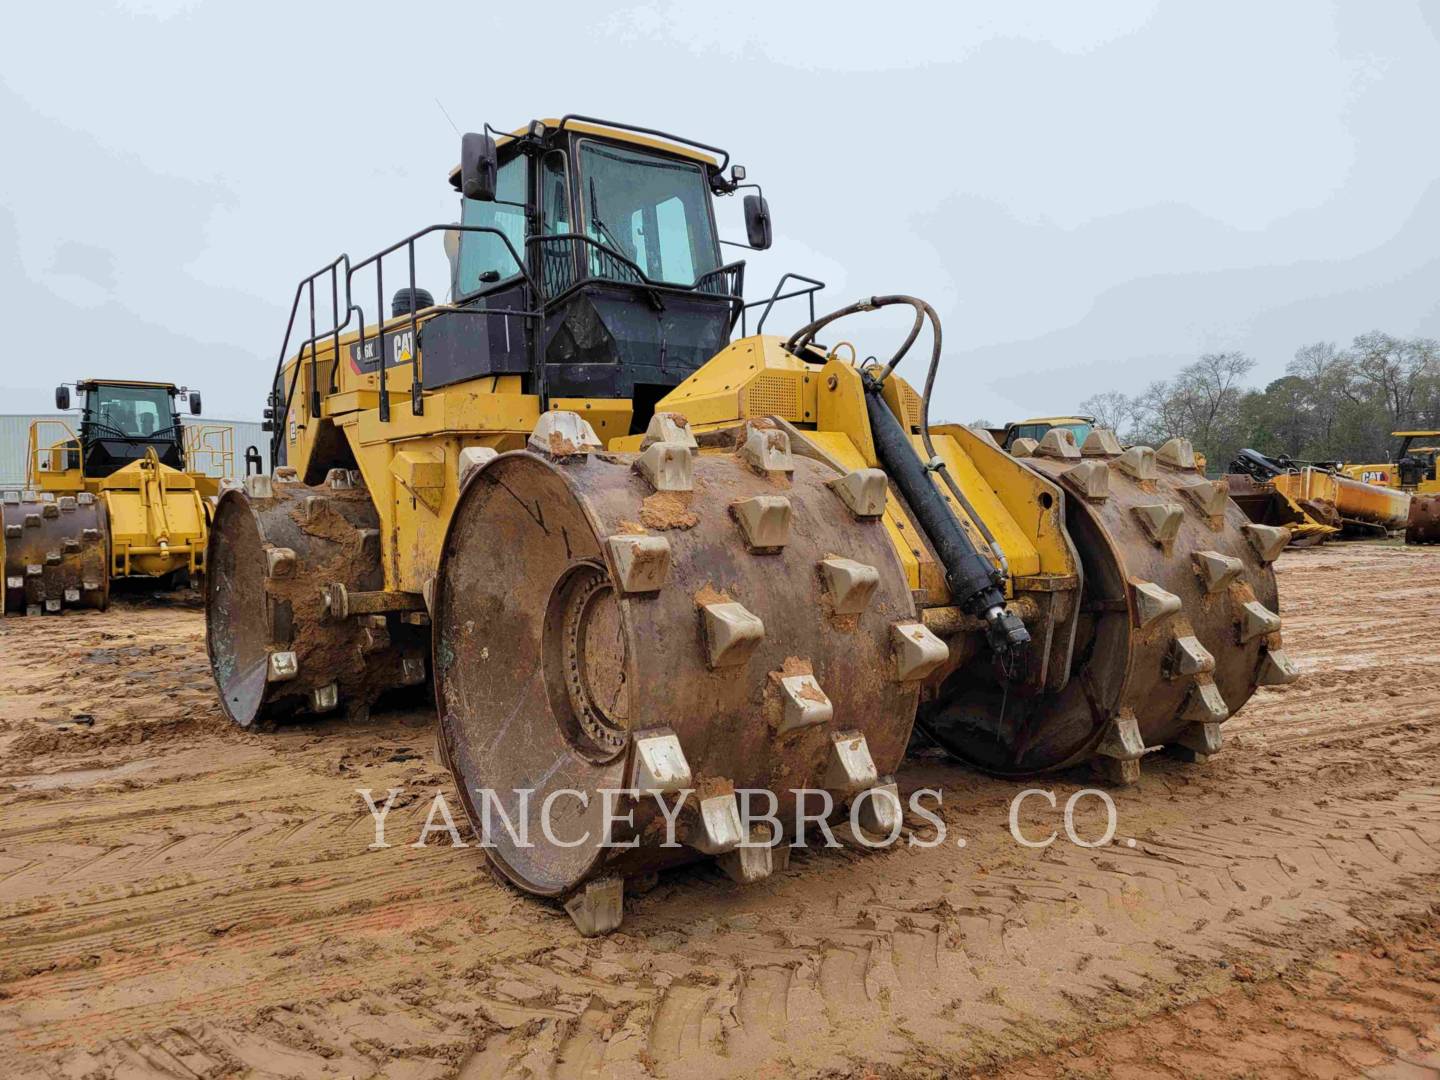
<point>179,898</point>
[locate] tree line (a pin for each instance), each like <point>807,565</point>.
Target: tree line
<point>1331,403</point>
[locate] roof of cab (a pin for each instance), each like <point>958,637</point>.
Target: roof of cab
<point>128,382</point>
<point>617,134</point>
<point>1053,420</point>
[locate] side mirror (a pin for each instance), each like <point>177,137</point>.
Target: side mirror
<point>757,222</point>
<point>194,402</point>
<point>62,398</point>
<point>479,164</point>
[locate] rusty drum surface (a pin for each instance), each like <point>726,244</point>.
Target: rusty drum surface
<point>55,550</point>
<point>275,547</point>
<point>584,618</point>
<point>1179,622</point>
<point>1423,526</point>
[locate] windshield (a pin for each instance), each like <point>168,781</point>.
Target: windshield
<point>1037,431</point>
<point>135,411</point>
<point>654,210</point>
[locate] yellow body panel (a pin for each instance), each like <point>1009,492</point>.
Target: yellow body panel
<point>610,417</point>
<point>922,571</point>
<point>1382,473</point>
<point>840,406</point>
<point>753,376</point>
<point>157,518</point>
<point>1386,474</point>
<point>410,463</point>
<point>756,377</point>
<point>1026,516</point>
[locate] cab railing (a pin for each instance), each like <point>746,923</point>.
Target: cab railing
<point>337,278</point>
<point>54,448</point>
<point>562,262</point>
<point>210,449</point>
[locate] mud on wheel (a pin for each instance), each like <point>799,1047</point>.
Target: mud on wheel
<point>277,646</point>
<point>680,618</point>
<point>1179,620</point>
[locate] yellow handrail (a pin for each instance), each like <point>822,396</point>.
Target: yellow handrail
<point>210,444</point>
<point>61,454</point>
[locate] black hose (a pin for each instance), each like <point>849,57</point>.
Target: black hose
<point>975,585</point>
<point>802,338</point>
<point>972,579</point>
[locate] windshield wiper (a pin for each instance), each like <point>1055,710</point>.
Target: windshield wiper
<point>614,246</point>
<point>120,433</point>
<point>605,233</point>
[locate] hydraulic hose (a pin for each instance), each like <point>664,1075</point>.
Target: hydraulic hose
<point>976,585</point>
<point>802,337</point>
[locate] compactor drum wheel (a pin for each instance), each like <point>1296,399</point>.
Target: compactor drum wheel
<point>1178,625</point>
<point>1423,526</point>
<point>670,620</point>
<point>277,548</point>
<point>55,552</point>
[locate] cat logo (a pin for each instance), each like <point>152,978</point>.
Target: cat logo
<point>1375,476</point>
<point>397,348</point>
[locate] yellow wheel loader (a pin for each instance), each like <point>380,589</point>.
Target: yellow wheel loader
<point>1021,437</point>
<point>1416,469</point>
<point>114,500</point>
<point>639,546</point>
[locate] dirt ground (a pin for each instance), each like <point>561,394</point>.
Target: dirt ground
<point>180,899</point>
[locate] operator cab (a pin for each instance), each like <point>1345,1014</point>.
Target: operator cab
<point>1038,427</point>
<point>610,232</point>
<point>1415,464</point>
<point>120,421</point>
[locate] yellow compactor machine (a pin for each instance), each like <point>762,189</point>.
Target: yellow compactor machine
<point>639,543</point>
<point>111,500</point>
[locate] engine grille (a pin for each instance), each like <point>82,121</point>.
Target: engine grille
<point>773,395</point>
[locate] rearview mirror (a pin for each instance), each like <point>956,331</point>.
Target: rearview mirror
<point>757,222</point>
<point>195,402</point>
<point>62,398</point>
<point>479,163</point>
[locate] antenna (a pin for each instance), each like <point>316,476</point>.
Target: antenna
<point>446,115</point>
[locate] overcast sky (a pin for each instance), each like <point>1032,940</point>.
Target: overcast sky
<point>1090,194</point>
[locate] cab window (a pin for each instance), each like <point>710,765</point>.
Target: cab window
<point>554,195</point>
<point>1029,431</point>
<point>651,208</point>
<point>132,411</point>
<point>1038,431</point>
<point>484,259</point>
